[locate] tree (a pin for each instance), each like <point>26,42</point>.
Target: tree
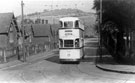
<point>121,12</point>
<point>28,21</point>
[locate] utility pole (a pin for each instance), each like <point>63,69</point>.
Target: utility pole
<point>100,23</point>
<point>22,27</point>
<point>22,21</point>
<point>52,12</point>
<point>100,12</point>
<point>100,19</point>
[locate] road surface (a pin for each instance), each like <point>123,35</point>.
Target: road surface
<point>49,70</point>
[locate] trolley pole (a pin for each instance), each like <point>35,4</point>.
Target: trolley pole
<point>22,26</point>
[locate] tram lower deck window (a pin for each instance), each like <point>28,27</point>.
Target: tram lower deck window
<point>68,43</point>
<point>60,43</point>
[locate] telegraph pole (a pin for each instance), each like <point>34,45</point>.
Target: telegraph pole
<point>22,27</point>
<point>100,12</point>
<point>100,19</point>
<point>22,21</point>
<point>100,23</point>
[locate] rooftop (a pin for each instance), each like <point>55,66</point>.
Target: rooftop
<point>5,21</point>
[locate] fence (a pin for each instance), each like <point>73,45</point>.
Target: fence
<point>22,53</point>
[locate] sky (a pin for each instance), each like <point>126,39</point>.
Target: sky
<point>31,6</point>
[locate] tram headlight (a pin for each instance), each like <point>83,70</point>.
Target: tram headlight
<point>60,43</point>
<point>77,43</point>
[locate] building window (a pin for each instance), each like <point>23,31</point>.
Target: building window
<point>11,35</point>
<point>43,21</point>
<point>46,21</point>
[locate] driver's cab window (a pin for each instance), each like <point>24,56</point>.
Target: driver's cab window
<point>68,24</point>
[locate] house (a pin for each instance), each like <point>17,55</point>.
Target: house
<point>55,28</point>
<point>42,35</point>
<point>8,35</point>
<point>28,32</point>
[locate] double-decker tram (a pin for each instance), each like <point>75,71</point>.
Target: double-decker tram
<point>71,39</point>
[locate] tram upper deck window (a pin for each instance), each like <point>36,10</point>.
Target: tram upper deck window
<point>61,24</point>
<point>77,24</point>
<point>68,24</point>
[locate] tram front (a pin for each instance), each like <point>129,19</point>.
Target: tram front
<point>71,45</point>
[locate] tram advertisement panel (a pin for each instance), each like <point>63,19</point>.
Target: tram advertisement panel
<point>65,33</point>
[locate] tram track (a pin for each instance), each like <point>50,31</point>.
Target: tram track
<point>38,73</point>
<point>16,77</point>
<point>23,78</point>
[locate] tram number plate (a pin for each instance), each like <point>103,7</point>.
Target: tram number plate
<point>68,55</point>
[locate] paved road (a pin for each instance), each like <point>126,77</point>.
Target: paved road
<point>49,70</point>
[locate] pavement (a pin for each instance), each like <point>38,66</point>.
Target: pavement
<point>29,59</point>
<point>108,63</point>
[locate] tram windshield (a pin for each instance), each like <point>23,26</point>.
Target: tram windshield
<point>68,43</point>
<point>68,24</point>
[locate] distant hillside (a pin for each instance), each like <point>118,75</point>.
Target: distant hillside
<point>58,12</point>
<point>87,18</point>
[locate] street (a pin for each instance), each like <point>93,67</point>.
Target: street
<point>50,70</point>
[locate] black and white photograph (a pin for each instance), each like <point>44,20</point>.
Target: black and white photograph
<point>67,41</point>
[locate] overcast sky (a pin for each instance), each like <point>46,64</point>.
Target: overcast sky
<point>39,5</point>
